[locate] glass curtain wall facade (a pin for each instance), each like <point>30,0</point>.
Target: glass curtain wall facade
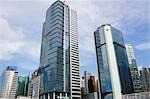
<point>59,51</point>
<point>112,63</point>
<point>22,86</point>
<point>133,68</point>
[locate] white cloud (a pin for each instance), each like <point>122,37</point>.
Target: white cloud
<point>29,65</point>
<point>10,40</point>
<point>124,15</point>
<point>143,46</point>
<point>15,42</point>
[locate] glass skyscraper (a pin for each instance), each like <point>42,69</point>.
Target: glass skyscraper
<point>59,61</point>
<point>113,72</point>
<point>133,68</point>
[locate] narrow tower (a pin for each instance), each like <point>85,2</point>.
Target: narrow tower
<point>113,72</point>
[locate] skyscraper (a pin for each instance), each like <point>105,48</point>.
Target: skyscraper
<point>8,82</point>
<point>145,78</point>
<point>114,77</point>
<point>133,68</point>
<point>22,86</point>
<point>59,61</point>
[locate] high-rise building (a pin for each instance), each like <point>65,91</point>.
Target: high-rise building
<point>35,85</point>
<point>145,78</point>
<point>89,87</point>
<point>8,82</point>
<point>59,61</point>
<point>86,79</point>
<point>30,89</point>
<point>133,68</point>
<point>92,84</point>
<point>22,86</point>
<point>113,72</point>
<point>131,56</point>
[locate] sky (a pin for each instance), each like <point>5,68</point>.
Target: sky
<point>21,23</point>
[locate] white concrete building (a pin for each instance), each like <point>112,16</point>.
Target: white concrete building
<point>35,82</point>
<point>8,83</point>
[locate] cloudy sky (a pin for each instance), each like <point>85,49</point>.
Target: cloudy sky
<point>21,28</point>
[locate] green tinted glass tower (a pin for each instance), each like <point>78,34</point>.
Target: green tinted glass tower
<point>22,86</point>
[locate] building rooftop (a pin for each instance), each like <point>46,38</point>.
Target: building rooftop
<point>12,68</point>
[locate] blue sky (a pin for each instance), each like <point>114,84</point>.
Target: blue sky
<point>21,29</point>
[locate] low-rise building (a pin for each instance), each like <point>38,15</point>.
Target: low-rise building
<point>93,95</point>
<point>142,95</point>
<point>23,97</point>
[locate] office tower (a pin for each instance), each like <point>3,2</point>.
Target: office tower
<point>35,83</point>
<point>86,78</point>
<point>92,84</point>
<point>30,89</point>
<point>145,78</point>
<point>133,68</point>
<point>82,82</point>
<point>22,86</point>
<point>26,85</point>
<point>131,56</point>
<point>59,61</point>
<point>114,77</point>
<point>89,86</point>
<point>82,87</point>
<point>8,82</point>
